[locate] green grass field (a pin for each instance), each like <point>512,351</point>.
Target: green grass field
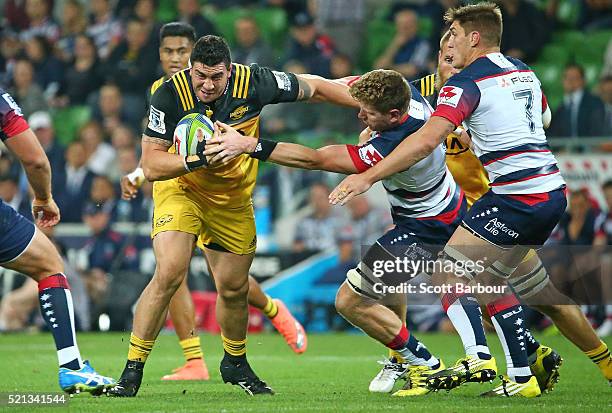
<point>332,376</point>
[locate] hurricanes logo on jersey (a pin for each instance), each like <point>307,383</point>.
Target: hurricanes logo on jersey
<point>163,220</point>
<point>238,112</point>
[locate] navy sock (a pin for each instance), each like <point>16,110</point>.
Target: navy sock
<point>57,310</point>
<point>509,321</point>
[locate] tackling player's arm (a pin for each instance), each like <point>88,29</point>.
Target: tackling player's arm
<point>21,141</point>
<point>319,89</point>
<point>333,158</point>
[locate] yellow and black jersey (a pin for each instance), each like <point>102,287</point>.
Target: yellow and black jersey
<point>156,86</point>
<point>461,161</point>
<point>248,90</point>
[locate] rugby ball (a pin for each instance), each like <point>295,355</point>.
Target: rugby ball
<point>191,134</point>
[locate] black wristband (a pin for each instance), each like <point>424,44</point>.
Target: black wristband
<point>197,161</point>
<point>263,149</point>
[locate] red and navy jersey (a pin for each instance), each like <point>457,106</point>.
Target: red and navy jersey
<point>424,190</point>
<point>500,100</point>
<point>11,119</point>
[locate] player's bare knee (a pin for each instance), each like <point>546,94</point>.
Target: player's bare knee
<point>170,274</point>
<point>233,291</point>
<point>346,300</point>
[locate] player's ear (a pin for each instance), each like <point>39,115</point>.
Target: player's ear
<point>395,115</point>
<point>474,39</point>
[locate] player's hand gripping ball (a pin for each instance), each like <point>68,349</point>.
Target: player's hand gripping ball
<point>191,134</point>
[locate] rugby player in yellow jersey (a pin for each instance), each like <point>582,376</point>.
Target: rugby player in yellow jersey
<point>209,205</point>
<point>176,44</point>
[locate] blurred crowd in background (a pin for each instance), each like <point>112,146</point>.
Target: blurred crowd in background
<point>81,71</point>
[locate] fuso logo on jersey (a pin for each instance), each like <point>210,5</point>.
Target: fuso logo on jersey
<point>450,95</point>
<point>156,120</point>
<point>370,155</point>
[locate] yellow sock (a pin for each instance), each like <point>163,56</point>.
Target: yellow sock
<point>271,309</point>
<point>191,348</point>
<point>234,347</point>
<point>139,348</point>
<point>601,357</point>
<point>398,356</point>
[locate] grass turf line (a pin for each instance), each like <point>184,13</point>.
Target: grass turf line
<point>333,375</point>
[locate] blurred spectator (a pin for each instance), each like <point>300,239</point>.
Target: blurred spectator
<point>317,231</point>
<point>48,69</point>
<point>10,49</point>
<point>10,194</point>
<point>581,113</point>
<point>408,53</point>
<point>577,226</point>
<point>524,32</point>
<point>74,23</point>
<point>250,46</point>
<point>123,137</point>
<point>18,306</point>
<point>605,93</point>
<point>72,184</point>
<point>105,251</point>
<point>334,118</point>
<point>15,14</point>
<point>343,21</point>
<point>41,22</point>
<point>42,125</point>
<point>111,110</point>
<point>26,92</point>
<point>308,47</point>
<point>595,15</point>
<point>103,193</point>
<point>132,65</point>
<point>364,226</point>
<point>84,75</point>
<point>100,155</point>
<point>291,7</point>
<point>145,11</point>
<point>287,118</point>
<point>189,12</point>
<point>103,27</point>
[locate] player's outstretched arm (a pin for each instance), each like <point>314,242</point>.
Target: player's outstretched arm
<point>319,89</point>
<point>32,156</point>
<point>229,143</point>
<point>408,152</point>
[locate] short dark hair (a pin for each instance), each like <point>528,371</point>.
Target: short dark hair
<point>177,29</point>
<point>484,18</point>
<point>211,50</point>
<point>382,89</point>
<point>607,185</point>
<point>578,67</point>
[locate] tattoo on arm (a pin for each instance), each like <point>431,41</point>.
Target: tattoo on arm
<point>305,92</point>
<point>158,141</point>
